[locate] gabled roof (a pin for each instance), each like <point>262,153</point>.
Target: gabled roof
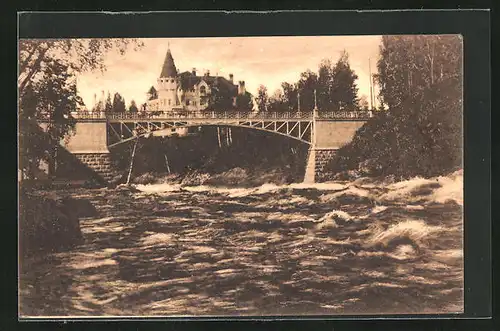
<point>188,81</point>
<point>168,69</point>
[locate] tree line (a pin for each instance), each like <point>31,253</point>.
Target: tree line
<point>332,88</point>
<point>117,105</point>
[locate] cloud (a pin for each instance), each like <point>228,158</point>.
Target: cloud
<point>256,60</point>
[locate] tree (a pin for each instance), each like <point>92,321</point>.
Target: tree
<point>47,86</point>
<point>244,102</point>
<point>343,90</point>
<point>306,85</point>
<point>324,86</point>
<point>276,101</point>
<point>290,94</point>
<point>108,106</point>
<point>420,80</point>
<point>221,98</point>
<point>99,106</point>
<point>133,107</point>
<point>54,92</point>
<point>152,93</point>
<point>262,98</point>
<point>363,102</point>
<point>118,103</point>
<point>408,64</point>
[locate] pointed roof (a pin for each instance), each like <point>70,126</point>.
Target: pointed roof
<point>188,80</point>
<point>168,69</point>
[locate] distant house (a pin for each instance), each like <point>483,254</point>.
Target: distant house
<point>176,91</point>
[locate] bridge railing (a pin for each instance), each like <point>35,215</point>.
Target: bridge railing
<point>183,115</point>
<point>360,114</point>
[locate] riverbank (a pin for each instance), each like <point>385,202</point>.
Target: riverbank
<point>234,177</point>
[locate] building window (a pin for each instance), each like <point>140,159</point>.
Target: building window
<point>169,102</point>
<point>187,102</point>
<point>202,102</point>
<point>171,81</point>
<point>203,90</point>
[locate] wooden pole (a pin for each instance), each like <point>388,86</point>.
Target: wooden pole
<point>132,161</point>
<point>218,136</point>
<point>371,90</point>
<point>166,162</point>
<point>230,136</point>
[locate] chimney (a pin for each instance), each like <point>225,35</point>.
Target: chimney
<point>241,87</point>
<point>193,71</point>
<point>207,72</point>
<point>231,77</point>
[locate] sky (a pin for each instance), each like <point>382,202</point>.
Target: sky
<point>256,60</point>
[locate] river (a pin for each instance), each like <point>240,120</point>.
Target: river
<point>360,247</point>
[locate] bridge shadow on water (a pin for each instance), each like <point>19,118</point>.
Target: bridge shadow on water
<point>187,253</point>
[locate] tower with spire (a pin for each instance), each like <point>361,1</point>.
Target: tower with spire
<point>167,84</point>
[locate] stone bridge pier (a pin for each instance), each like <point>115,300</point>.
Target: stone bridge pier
<point>328,137</point>
<point>89,146</point>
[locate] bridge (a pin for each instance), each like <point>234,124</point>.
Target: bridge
<point>326,131</point>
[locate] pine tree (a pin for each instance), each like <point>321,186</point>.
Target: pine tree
<point>262,98</point>
<point>108,106</point>
<point>152,93</point>
<point>306,85</point>
<point>324,85</point>
<point>118,103</point>
<point>133,107</point>
<point>290,94</point>
<point>343,90</point>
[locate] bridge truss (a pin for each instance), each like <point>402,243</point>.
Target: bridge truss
<point>123,131</point>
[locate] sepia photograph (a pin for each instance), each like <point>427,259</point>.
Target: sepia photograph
<point>240,176</point>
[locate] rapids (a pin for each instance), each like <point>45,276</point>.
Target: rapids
<point>361,247</point>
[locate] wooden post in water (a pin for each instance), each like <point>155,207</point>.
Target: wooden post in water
<point>218,136</point>
<point>132,161</point>
<point>166,162</point>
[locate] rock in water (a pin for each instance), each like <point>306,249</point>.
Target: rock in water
<point>47,223</point>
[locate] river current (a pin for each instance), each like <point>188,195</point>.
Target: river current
<point>360,247</point>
